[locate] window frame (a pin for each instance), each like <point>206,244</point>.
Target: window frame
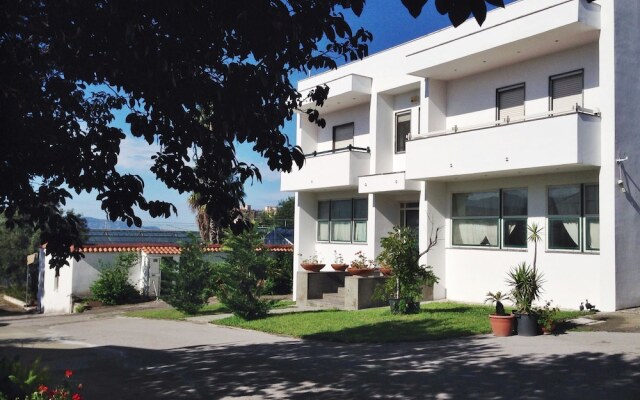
<point>333,135</point>
<point>504,89</point>
<point>581,218</point>
<point>567,74</point>
<point>399,114</point>
<point>353,221</point>
<point>500,220</point>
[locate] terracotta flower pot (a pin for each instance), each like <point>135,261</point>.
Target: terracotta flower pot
<point>386,271</point>
<point>502,325</point>
<point>360,271</point>
<point>339,267</point>
<point>312,267</point>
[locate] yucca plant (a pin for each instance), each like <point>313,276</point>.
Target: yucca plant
<point>526,286</point>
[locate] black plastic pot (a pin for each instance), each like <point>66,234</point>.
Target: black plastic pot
<point>526,324</point>
<point>404,306</point>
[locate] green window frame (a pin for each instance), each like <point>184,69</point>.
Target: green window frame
<point>342,221</point>
<point>493,218</point>
<point>573,217</point>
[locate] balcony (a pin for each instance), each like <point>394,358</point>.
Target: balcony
<point>347,91</point>
<point>522,31</point>
<point>567,141</point>
<point>394,182</point>
<point>328,170</point>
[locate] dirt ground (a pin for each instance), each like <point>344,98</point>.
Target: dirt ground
<point>619,321</point>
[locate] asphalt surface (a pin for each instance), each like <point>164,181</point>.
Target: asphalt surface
<point>129,358</point>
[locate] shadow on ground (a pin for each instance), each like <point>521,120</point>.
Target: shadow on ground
<point>457,369</point>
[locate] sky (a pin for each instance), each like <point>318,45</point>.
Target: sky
<point>390,24</point>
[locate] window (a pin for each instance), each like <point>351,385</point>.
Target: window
<point>565,91</point>
<point>342,136</point>
<point>477,218</point>
<point>510,102</point>
<point>403,128</point>
<point>342,221</point>
<point>410,215</point>
<point>514,217</point>
<point>573,214</point>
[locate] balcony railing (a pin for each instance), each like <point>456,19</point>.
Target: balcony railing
<point>507,121</point>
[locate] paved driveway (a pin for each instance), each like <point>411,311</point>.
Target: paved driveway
<point>126,358</point>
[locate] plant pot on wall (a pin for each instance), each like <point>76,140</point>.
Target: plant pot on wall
<point>501,325</point>
<point>386,271</point>
<point>360,271</point>
<point>312,267</point>
<point>339,267</point>
<point>527,324</point>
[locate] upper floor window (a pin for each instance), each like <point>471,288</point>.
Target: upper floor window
<point>565,91</point>
<point>477,218</point>
<point>574,217</point>
<point>342,221</point>
<point>510,102</point>
<point>403,128</point>
<point>342,136</point>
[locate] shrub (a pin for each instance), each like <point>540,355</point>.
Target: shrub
<point>279,274</point>
<point>17,380</point>
<point>113,286</point>
<point>240,279</point>
<point>187,283</point>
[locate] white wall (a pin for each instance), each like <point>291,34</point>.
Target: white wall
<point>472,100</point>
<point>359,115</point>
<point>56,299</point>
<point>571,277</point>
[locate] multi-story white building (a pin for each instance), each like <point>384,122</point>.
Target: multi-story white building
<point>479,131</point>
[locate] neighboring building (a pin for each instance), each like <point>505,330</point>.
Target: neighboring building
<point>56,295</point>
<point>479,131</point>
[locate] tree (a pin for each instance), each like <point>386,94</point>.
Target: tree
<point>193,77</point>
<point>285,213</point>
<point>240,279</point>
<point>189,286</point>
<point>15,245</point>
<point>113,286</point>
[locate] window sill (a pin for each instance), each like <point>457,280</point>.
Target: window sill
<point>508,249</point>
<point>586,252</point>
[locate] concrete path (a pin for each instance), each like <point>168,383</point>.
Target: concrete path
<point>129,358</point>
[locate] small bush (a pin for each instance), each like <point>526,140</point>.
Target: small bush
<point>187,283</point>
<point>113,286</point>
<point>240,279</point>
<point>279,274</point>
<point>17,380</point>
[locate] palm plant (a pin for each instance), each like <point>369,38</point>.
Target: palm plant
<point>497,298</point>
<point>526,286</point>
<point>535,236</point>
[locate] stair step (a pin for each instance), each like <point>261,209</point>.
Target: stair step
<point>337,297</point>
<point>325,304</point>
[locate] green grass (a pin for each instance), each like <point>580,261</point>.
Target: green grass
<point>209,309</point>
<point>435,321</point>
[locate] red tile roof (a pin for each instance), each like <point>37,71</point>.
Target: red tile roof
<point>164,249</point>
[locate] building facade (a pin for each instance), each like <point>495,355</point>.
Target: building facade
<point>476,133</point>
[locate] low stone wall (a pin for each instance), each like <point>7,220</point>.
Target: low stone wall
<point>359,292</point>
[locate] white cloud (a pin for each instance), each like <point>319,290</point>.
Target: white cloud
<point>135,155</point>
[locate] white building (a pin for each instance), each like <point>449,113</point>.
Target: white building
<point>532,117</point>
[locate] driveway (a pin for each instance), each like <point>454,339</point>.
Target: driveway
<point>129,358</point>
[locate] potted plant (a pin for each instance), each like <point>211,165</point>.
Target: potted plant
<point>526,285</point>
<point>338,262</point>
<point>360,266</point>
<point>312,264</point>
<point>546,317</point>
<point>404,289</point>
<point>501,322</point>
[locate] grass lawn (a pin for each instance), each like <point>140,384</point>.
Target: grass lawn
<point>209,309</point>
<point>435,321</point>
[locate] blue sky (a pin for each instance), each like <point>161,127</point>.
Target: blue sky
<point>390,24</point>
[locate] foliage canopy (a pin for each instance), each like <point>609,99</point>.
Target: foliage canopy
<point>193,77</point>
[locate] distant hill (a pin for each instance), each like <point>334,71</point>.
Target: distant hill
<point>95,223</point>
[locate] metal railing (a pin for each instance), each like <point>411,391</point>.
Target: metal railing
<point>506,121</point>
<point>340,150</point>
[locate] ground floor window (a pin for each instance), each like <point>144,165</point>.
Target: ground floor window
<point>495,218</point>
<point>573,217</point>
<point>342,221</point>
<point>410,215</point>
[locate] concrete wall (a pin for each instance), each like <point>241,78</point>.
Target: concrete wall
<point>55,298</point>
<point>627,144</point>
<point>359,115</point>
